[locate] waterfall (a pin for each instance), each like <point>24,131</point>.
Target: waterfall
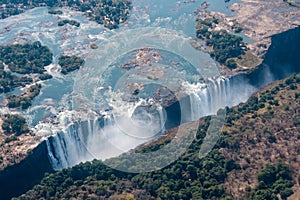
<point>215,94</point>
<point>68,148</point>
<point>102,138</point>
<point>110,136</point>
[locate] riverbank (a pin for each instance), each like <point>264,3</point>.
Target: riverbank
<point>258,21</point>
<point>274,60</point>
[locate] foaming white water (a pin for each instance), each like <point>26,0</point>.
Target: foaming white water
<point>207,99</point>
<point>123,128</point>
<point>126,126</point>
<point>67,149</point>
<point>54,70</point>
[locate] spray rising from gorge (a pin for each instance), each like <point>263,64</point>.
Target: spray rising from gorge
<point>202,99</point>
<point>111,135</point>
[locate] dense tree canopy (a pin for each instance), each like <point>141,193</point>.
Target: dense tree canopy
<point>190,177</point>
<point>23,59</point>
<point>25,100</point>
<point>71,22</point>
<point>9,81</point>
<point>274,179</point>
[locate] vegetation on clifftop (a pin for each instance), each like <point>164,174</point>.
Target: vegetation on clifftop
<point>264,130</point>
<point>274,179</point>
<point>187,178</point>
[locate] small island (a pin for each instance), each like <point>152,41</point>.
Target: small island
<point>256,157</point>
<point>27,58</point>
<point>55,12</point>
<point>24,101</point>
<point>19,62</point>
<point>67,21</point>
<point>219,38</point>
<point>70,63</point>
<point>255,20</point>
<point>8,81</point>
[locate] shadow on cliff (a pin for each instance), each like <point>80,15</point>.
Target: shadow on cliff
<point>17,179</point>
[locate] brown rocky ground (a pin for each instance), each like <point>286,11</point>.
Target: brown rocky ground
<point>262,19</point>
<point>16,150</point>
<point>259,20</point>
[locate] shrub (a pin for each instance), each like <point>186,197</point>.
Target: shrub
<point>11,138</point>
<point>231,64</point>
<point>14,124</point>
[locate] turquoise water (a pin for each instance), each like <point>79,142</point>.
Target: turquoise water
<point>176,15</point>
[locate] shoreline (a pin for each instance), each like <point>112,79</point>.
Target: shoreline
<point>259,21</point>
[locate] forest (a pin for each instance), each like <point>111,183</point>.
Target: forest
<point>274,179</point>
<point>189,177</point>
<point>8,81</point>
<point>14,124</point>
<point>24,101</point>
<point>27,58</point>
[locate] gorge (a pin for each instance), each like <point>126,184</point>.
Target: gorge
<point>280,61</point>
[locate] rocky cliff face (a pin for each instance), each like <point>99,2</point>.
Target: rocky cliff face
<point>281,60</point>
<point>283,54</point>
<point>18,178</point>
